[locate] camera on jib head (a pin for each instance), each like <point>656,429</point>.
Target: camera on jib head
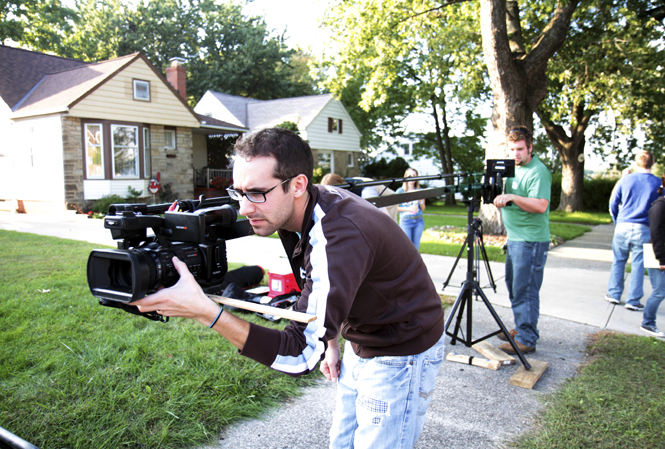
<point>142,264</point>
<point>496,171</point>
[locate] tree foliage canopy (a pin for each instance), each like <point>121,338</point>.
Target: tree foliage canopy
<point>39,24</point>
<point>467,150</point>
<point>610,66</point>
<point>606,76</point>
<point>394,58</point>
<point>224,50</point>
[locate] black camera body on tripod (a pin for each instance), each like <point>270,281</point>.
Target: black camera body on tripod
<point>142,264</point>
<point>496,171</point>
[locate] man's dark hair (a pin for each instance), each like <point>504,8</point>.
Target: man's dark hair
<point>293,154</point>
<point>518,133</point>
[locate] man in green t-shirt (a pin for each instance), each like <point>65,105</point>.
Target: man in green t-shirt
<point>525,210</point>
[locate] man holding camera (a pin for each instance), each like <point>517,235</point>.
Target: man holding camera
<point>525,210</point>
<point>361,277</point>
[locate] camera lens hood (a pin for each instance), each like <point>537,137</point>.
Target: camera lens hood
<point>119,275</point>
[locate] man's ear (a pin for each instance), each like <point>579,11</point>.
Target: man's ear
<point>300,185</point>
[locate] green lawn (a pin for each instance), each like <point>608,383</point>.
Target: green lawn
<point>566,225</point>
<point>616,401</point>
<point>432,245</point>
<point>589,218</point>
<point>440,209</point>
<point>75,374</point>
<point>556,216</point>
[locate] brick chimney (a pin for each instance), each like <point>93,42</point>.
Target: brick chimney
<point>176,75</point>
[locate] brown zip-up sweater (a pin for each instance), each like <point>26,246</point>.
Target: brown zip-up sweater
<point>362,277</point>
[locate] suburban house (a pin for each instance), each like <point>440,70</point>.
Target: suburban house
<point>322,120</point>
<point>76,131</point>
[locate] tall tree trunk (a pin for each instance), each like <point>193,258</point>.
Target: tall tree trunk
<point>572,183</point>
<point>571,152</point>
<point>443,144</point>
<point>518,78</point>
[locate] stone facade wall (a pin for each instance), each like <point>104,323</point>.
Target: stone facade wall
<point>342,164</point>
<point>72,145</point>
<point>176,167</point>
<point>340,159</point>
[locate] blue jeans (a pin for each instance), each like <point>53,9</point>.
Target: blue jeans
<point>628,237</point>
<point>525,264</point>
<point>657,278</point>
<point>413,228</point>
<point>381,401</point>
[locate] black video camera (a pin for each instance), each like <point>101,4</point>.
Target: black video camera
<point>495,172</point>
<point>142,264</point>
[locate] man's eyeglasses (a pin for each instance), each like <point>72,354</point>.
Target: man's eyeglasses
<point>254,197</point>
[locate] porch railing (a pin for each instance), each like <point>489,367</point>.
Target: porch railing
<point>203,177</point>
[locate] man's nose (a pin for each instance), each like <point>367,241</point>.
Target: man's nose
<point>246,206</point>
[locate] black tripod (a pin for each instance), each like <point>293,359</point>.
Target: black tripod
<point>478,241</point>
<point>470,287</point>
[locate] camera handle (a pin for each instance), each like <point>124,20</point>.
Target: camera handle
<point>154,316</point>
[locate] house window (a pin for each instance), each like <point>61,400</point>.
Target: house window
<point>116,150</point>
<point>407,148</point>
<point>125,151</point>
<point>147,169</point>
<point>335,125</point>
<point>141,90</point>
<point>326,161</point>
<point>94,160</point>
<point>349,162</point>
<point>169,140</point>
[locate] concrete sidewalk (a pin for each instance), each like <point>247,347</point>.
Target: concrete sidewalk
<point>472,407</point>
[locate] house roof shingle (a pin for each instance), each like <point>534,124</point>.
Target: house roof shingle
<point>53,84</point>
<point>209,122</point>
<point>21,70</point>
<point>32,81</point>
<point>63,89</point>
<point>236,105</point>
<point>300,110</point>
<point>251,113</point>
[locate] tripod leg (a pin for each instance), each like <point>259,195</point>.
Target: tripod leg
<point>503,328</point>
<point>487,263</point>
<point>450,275</point>
<point>458,307</point>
